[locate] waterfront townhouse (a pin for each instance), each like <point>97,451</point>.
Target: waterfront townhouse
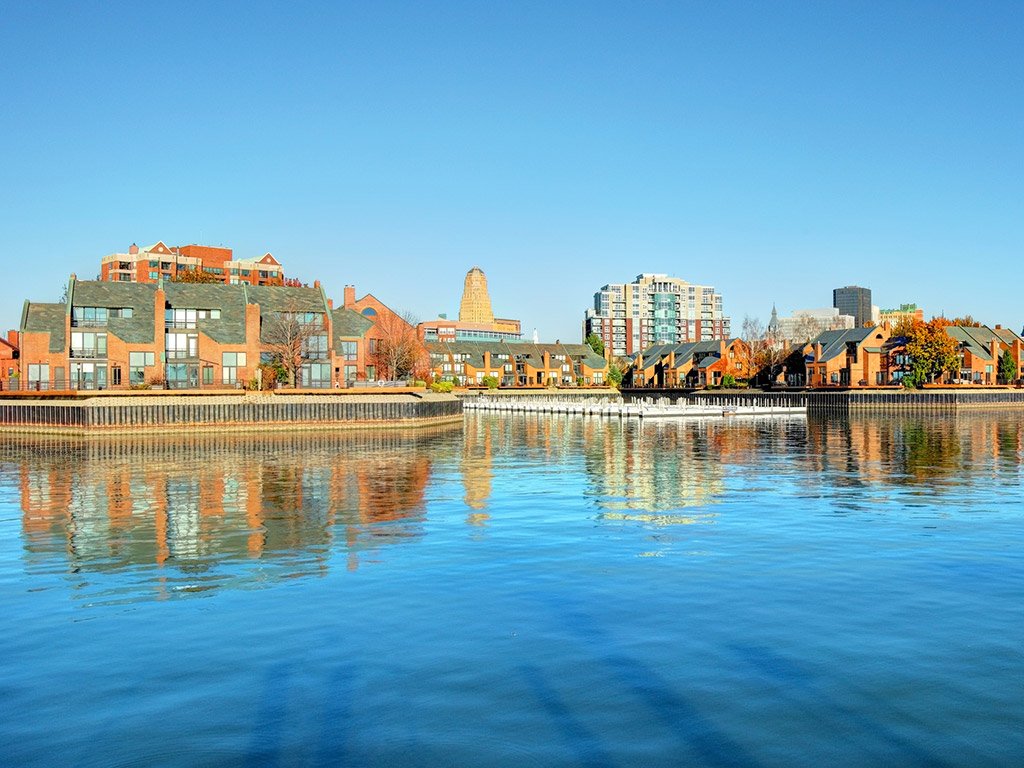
<point>187,335</point>
<point>517,364</point>
<point>695,364</point>
<point>852,357</point>
<point>980,350</point>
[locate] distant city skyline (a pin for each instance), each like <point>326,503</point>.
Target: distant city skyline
<point>774,151</point>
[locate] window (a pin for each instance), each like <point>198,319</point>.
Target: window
<point>180,318</point>
<point>207,374</point>
<point>348,350</point>
<point>154,275</point>
<point>314,347</point>
<point>371,373</point>
<point>88,344</point>
<point>39,376</point>
<point>316,375</point>
<point>350,373</point>
<point>245,273</point>
<point>137,364</point>
<point>373,346</point>
<point>181,345</point>
<point>231,362</point>
<point>208,314</point>
<point>115,377</point>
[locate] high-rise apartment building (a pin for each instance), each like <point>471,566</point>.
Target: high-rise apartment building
<point>655,309</point>
<point>853,300</point>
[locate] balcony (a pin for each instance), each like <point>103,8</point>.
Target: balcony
<point>88,353</point>
<point>181,354</point>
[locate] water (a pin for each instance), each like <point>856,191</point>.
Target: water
<point>534,591</point>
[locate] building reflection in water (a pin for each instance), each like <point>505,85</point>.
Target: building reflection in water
<point>198,507</point>
<point>926,453</point>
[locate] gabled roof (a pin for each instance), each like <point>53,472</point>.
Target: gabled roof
<point>978,341</point>
<point>349,324</point>
<point>229,299</point>
<point>137,329</point>
<point>264,259</point>
<point>833,343</point>
<point>47,318</point>
<point>278,298</point>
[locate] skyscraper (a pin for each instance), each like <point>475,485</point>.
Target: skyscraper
<point>855,301</point>
<point>476,302</point>
<point>655,308</point>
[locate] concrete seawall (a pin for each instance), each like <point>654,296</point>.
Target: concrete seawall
<point>264,413</point>
<point>844,401</point>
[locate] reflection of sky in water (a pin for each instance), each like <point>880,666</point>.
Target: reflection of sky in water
<point>534,590</point>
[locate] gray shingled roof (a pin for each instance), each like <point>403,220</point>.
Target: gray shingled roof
<point>229,299</point>
<point>978,340</point>
<point>139,328</point>
<point>833,343</point>
<point>275,298</point>
<point>47,318</point>
<point>349,324</point>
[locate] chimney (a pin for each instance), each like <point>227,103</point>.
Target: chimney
<point>316,283</point>
<point>350,297</point>
<point>133,249</point>
<point>12,338</point>
<point>993,347</point>
<point>999,327</point>
<point>330,303</point>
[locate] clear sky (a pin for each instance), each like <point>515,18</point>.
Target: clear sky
<point>773,150</point>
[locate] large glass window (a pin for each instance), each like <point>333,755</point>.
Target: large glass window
<point>39,376</point>
<point>137,364</point>
<point>316,375</point>
<point>88,344</point>
<point>314,347</point>
<point>349,350</point>
<point>180,346</point>
<point>231,362</point>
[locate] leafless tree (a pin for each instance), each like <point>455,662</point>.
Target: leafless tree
<point>766,352</point>
<point>806,329</point>
<point>288,336</point>
<point>399,351</point>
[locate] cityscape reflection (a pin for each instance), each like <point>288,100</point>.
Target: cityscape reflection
<point>198,507</point>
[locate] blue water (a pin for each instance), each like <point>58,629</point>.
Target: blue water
<point>533,590</point>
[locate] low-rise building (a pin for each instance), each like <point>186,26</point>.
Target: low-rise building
<point>980,350</point>
<point>162,262</point>
<point>694,364</point>
<point>121,334</point>
<point>517,364</point>
<point>853,357</point>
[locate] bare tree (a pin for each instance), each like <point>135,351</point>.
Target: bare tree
<point>399,352</point>
<point>293,336</point>
<point>806,329</point>
<point>766,351</point>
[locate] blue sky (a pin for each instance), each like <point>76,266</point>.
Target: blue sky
<point>773,150</point>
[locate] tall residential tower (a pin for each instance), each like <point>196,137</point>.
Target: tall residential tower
<point>655,309</point>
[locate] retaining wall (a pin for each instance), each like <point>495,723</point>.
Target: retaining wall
<point>268,413</point>
<point>845,400</point>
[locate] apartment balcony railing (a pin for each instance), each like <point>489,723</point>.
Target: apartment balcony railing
<point>181,354</point>
<point>80,323</point>
<point>179,324</point>
<point>88,353</point>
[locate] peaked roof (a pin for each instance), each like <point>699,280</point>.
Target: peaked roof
<point>833,343</point>
<point>46,318</point>
<point>349,324</point>
<point>978,340</point>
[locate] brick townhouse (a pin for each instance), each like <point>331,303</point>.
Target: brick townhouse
<point>186,336</point>
<point>517,364</point>
<point>693,364</point>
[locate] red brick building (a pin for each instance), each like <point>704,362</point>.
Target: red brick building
<point>160,261</point>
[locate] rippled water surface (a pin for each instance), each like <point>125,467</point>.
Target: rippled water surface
<point>533,590</point>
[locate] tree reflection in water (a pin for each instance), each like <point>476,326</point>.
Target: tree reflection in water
<point>190,514</point>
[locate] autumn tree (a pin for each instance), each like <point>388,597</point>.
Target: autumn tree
<point>195,276</point>
<point>399,352</point>
<point>931,351</point>
<point>291,336</point>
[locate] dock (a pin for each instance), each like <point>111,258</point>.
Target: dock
<point>650,408</point>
